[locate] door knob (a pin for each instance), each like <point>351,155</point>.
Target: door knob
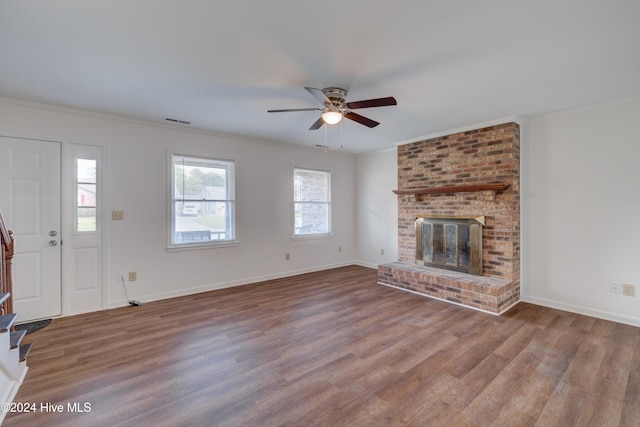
<point>53,243</point>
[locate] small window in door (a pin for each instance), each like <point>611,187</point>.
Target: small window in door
<point>86,196</point>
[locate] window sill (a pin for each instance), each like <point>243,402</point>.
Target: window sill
<point>201,246</point>
<point>312,236</point>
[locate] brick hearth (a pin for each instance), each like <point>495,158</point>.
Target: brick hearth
<point>479,292</point>
<point>482,156</point>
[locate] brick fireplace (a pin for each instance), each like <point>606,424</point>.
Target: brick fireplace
<point>463,175</point>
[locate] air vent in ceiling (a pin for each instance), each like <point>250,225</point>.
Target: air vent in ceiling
<point>182,122</point>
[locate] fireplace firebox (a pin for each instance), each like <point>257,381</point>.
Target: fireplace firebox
<point>450,243</point>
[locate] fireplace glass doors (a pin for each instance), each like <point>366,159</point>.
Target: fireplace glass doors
<point>450,243</point>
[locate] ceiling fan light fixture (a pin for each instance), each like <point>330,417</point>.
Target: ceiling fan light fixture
<point>332,117</point>
<point>336,108</point>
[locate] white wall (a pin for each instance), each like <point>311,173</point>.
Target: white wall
<point>580,210</point>
<point>377,208</point>
<point>135,177</point>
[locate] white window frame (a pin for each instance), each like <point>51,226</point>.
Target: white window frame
<point>297,233</point>
<point>230,237</point>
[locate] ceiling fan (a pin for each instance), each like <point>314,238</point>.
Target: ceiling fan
<point>336,107</point>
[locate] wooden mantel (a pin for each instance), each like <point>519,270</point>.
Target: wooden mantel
<point>419,192</point>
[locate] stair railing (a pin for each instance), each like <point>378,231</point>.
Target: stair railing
<point>6,259</point>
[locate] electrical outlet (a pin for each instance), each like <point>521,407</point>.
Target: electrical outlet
<point>339,248</point>
<point>615,288</point>
<point>287,256</point>
<point>117,215</point>
<point>381,251</point>
<point>628,290</point>
<point>133,276</point>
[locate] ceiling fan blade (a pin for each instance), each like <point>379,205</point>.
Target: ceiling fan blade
<point>319,95</point>
<point>317,124</point>
<point>294,109</point>
<point>368,103</point>
<point>361,119</point>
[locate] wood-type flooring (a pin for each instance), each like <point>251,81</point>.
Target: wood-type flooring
<point>330,348</point>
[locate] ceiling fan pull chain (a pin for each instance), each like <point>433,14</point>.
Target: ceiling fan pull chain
<point>326,144</point>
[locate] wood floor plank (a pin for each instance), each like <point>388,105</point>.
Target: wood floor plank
<point>469,387</point>
<point>331,348</point>
<point>631,409</point>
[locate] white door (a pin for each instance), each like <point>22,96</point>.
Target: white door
<point>30,203</point>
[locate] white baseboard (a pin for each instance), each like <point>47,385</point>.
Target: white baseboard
<point>587,311</point>
<point>366,264</point>
<point>229,284</point>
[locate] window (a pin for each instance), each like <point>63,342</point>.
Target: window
<point>202,201</point>
<point>86,196</point>
<point>312,202</point>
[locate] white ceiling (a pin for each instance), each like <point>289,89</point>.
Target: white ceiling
<point>221,64</point>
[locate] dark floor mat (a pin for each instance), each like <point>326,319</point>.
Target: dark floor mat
<point>32,327</point>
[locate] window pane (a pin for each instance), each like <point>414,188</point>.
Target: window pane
<point>202,221</point>
<point>86,195</point>
<point>312,218</point>
<point>86,170</point>
<point>86,219</point>
<point>311,186</point>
